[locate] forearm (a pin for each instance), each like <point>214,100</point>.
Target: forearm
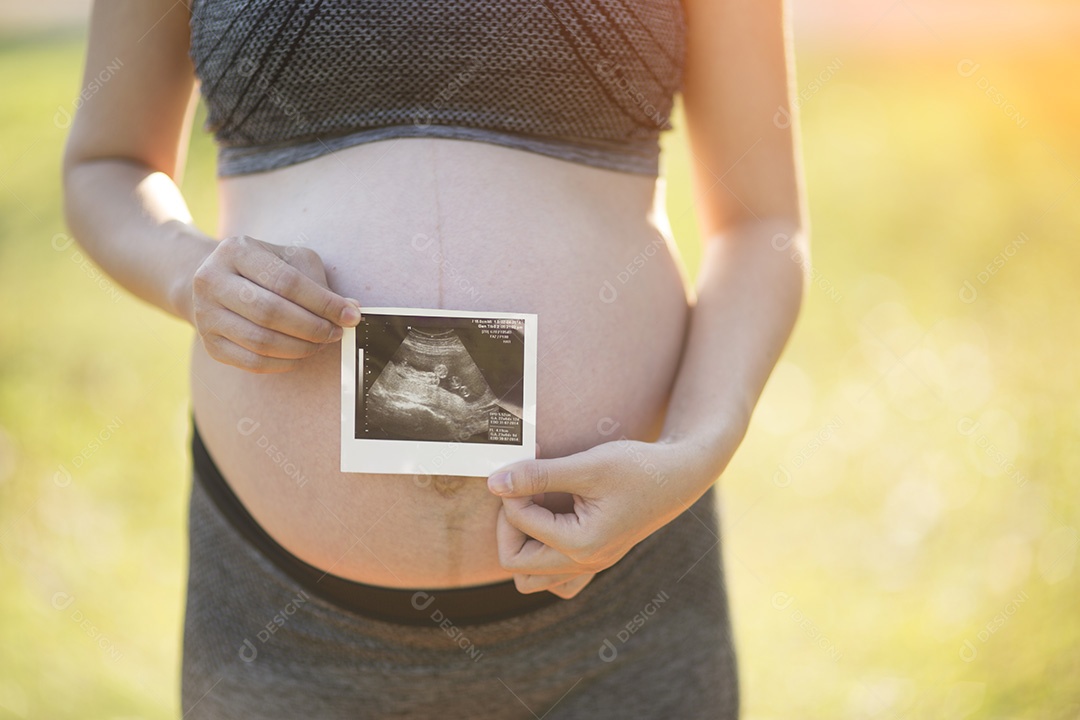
<point>749,291</point>
<point>135,225</point>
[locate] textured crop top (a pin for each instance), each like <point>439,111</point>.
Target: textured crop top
<point>589,81</point>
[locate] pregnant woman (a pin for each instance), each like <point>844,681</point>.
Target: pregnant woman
<point>473,155</point>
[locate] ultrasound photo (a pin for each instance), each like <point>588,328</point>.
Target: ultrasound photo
<point>438,378</point>
<point>449,392</point>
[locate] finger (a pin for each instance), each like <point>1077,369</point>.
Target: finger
<point>276,274</point>
<point>269,310</point>
<point>577,473</point>
<point>520,553</point>
<point>226,351</point>
<point>261,340</point>
<point>569,589</point>
<point>561,531</point>
<point>527,584</point>
<point>558,502</point>
<point>306,261</point>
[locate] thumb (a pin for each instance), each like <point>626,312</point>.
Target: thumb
<point>578,473</point>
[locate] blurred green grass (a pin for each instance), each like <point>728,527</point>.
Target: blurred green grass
<point>909,475</point>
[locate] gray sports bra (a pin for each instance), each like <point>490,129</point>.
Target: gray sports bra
<point>589,81</point>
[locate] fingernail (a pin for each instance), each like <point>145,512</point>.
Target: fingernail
<point>351,314</point>
<point>499,483</point>
<point>335,333</point>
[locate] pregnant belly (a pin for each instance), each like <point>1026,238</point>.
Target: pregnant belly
<point>431,223</point>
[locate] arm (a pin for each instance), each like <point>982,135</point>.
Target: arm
<point>126,149</point>
<point>257,306</point>
<point>751,211</point>
<point>749,291</point>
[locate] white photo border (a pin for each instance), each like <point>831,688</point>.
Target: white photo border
<point>409,457</point>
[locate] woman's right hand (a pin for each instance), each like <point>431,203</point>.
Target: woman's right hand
<point>263,307</point>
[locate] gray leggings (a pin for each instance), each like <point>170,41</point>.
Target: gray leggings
<point>648,638</point>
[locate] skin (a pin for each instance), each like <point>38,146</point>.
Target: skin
<point>658,382</point>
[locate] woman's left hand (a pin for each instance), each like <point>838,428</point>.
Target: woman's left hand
<point>614,495</point>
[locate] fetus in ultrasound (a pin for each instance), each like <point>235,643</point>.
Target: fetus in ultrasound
<point>432,389</point>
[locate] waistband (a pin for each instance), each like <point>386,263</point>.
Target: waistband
<point>466,606</point>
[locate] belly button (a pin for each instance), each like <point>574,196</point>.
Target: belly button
<point>447,485</point>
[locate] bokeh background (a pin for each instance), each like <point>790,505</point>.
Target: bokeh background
<point>901,521</point>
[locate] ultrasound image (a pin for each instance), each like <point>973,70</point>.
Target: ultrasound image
<point>441,379</point>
